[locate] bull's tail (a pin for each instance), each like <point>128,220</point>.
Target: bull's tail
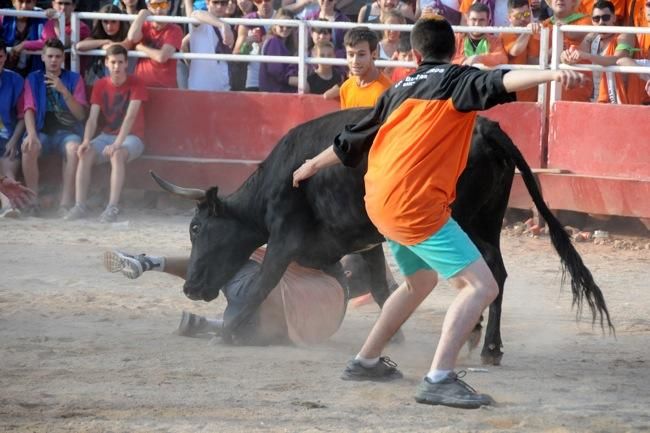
<point>583,286</point>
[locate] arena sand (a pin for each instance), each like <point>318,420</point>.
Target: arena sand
<point>82,350</point>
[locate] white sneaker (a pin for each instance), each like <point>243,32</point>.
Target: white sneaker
<point>130,266</point>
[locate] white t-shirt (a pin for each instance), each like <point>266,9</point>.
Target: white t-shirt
<point>209,75</point>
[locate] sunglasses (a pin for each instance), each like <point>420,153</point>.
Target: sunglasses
<point>520,15</point>
<point>159,5</point>
<point>64,3</point>
<point>220,2</point>
<point>604,17</point>
<point>259,2</point>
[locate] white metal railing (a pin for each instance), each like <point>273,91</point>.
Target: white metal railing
<point>558,47</point>
<point>36,14</point>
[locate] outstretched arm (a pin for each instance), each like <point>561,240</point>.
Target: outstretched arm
<point>326,158</point>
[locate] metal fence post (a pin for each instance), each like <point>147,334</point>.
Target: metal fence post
<point>302,55</point>
<point>74,38</point>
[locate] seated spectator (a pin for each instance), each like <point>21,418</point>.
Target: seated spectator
<point>211,36</point>
<point>366,82</point>
<point>301,9</point>
<point>497,11</point>
<point>372,12</point>
<point>522,49</point>
<point>11,128</point>
<point>390,40</point>
<point>449,9</point>
<point>249,41</point>
<point>18,30</point>
<point>603,49</point>
<point>320,34</point>
<point>327,11</point>
<point>159,41</point>
<point>104,33</point>
<point>404,54</point>
<point>130,7</point>
<point>116,103</point>
<point>54,109</point>
<point>325,79</point>
<point>281,41</point>
<point>51,27</point>
<point>479,48</point>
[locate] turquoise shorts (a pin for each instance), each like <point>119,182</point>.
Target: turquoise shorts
<point>448,251</point>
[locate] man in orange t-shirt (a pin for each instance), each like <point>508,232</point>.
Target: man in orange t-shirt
<point>418,138</point>
<point>479,48</point>
<point>366,82</point>
<point>159,41</point>
<point>522,49</point>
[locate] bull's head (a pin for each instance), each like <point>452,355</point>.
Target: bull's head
<point>221,242</point>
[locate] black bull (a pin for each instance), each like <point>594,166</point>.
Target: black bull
<point>324,219</point>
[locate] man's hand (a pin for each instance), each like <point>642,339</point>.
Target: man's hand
<point>144,13</point>
<point>534,27</point>
<point>569,79</point>
<point>10,150</point>
<point>83,148</point>
<point>31,144</point>
<point>572,55</point>
<point>469,61</point>
<point>50,13</point>
<point>16,49</point>
<point>18,195</point>
<point>52,80</point>
<point>304,172</point>
<point>111,149</point>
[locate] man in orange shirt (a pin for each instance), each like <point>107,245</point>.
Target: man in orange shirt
<point>417,139</point>
<point>479,48</point>
<point>565,12</point>
<point>522,49</point>
<point>366,82</point>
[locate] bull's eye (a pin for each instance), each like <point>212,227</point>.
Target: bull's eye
<point>194,229</point>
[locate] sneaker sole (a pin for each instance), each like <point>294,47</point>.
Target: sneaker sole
<point>114,262</point>
<point>358,378</point>
<point>451,402</point>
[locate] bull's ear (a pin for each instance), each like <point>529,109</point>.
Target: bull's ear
<point>215,205</point>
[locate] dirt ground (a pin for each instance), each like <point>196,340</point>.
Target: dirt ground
<point>82,350</point>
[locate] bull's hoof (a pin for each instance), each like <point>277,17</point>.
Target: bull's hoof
<point>491,358</point>
<point>398,338</point>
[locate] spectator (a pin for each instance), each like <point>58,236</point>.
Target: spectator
<point>131,7</point>
<point>116,101</point>
<point>372,12</point>
<point>522,49</point>
<point>11,128</point>
<point>320,34</point>
<point>159,41</point>
<point>366,82</point>
<point>540,10</point>
<point>479,48</point>
<point>404,54</point>
<point>636,14</point>
<point>327,11</point>
<point>281,41</point>
<point>249,41</point>
<point>564,12</point>
<point>104,33</point>
<point>54,108</point>
<point>210,36</point>
<point>449,9</point>
<point>18,30</point>
<point>497,11</point>
<point>626,61</point>
<point>51,27</point>
<point>603,49</point>
<point>301,9</point>
<point>390,40</point>
<point>325,79</point>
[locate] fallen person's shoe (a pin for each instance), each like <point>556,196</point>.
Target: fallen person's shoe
<point>192,325</point>
<point>451,392</point>
<point>9,213</point>
<point>385,370</point>
<point>130,266</point>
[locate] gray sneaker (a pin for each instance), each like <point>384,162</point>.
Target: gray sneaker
<point>130,266</point>
<point>192,325</point>
<point>385,370</point>
<point>77,212</point>
<point>110,214</point>
<point>451,392</point>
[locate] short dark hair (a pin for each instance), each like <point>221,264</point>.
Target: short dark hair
<point>604,4</point>
<point>54,43</point>
<point>479,7</point>
<point>116,50</point>
<point>434,38</point>
<point>322,29</point>
<point>360,34</point>
<point>516,4</point>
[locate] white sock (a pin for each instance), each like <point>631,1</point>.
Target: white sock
<point>436,376</point>
<point>367,362</point>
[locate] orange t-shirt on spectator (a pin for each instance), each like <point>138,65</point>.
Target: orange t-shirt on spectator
<point>150,72</point>
<point>354,96</point>
<point>400,73</point>
<point>495,55</point>
<point>532,50</point>
<point>629,88</point>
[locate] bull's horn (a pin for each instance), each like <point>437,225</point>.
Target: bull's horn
<point>191,193</point>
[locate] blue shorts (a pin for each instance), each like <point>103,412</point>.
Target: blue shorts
<point>55,143</point>
<point>448,251</point>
